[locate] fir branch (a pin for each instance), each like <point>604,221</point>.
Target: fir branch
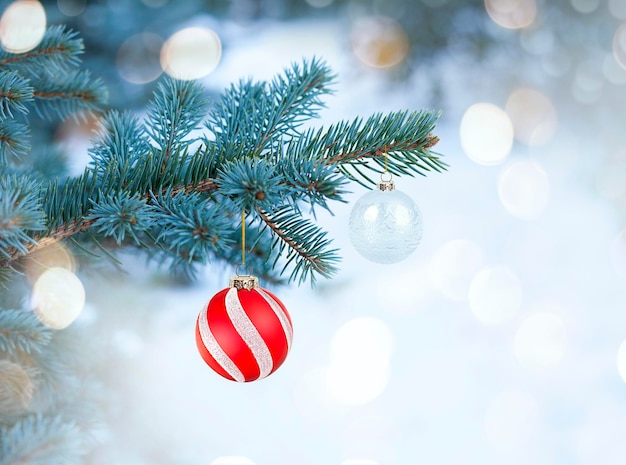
<point>304,242</point>
<point>119,147</point>
<point>296,98</point>
<point>251,184</point>
<point>180,196</point>
<point>22,330</point>
<point>405,137</point>
<point>189,226</point>
<point>176,109</point>
<point>120,136</point>
<point>67,204</point>
<point>119,215</point>
<point>312,181</point>
<point>14,140</point>
<point>37,438</point>
<point>20,214</point>
<point>57,52</point>
<point>15,90</point>
<point>251,118</point>
<point>68,94</point>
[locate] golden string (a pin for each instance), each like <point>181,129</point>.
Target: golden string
<point>243,237</point>
<point>386,163</point>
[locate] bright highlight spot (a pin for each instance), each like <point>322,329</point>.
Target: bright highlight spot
<point>232,460</point>
<point>619,45</point>
<point>22,26</point>
<point>453,267</point>
<point>540,341</point>
<point>524,189</point>
<point>533,116</point>
<point>371,213</point>
<point>495,295</point>
<point>58,297</point>
<point>512,14</point>
<point>191,53</point>
<point>16,389</point>
<point>359,462</point>
<point>360,353</point>
<point>54,255</point>
<point>486,134</point>
<point>512,418</point>
<point>138,58</point>
<point>621,361</point>
<point>379,42</point>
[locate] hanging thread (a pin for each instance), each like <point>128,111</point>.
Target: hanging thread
<point>243,237</point>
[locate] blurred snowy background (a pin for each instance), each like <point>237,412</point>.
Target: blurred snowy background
<point>501,340</point>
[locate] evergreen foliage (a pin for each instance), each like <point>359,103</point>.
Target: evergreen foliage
<point>173,186</point>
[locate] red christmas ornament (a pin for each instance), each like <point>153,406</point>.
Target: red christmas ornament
<point>245,332</point>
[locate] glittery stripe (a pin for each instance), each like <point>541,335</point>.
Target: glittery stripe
<point>280,313</point>
<point>249,333</point>
<point>216,350</point>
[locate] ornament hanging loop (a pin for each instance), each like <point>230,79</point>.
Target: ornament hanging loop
<point>240,280</point>
<point>386,182</point>
<point>386,178</point>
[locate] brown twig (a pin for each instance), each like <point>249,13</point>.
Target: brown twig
<point>379,152</point>
<point>297,248</point>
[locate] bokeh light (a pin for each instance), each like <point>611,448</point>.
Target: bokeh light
<point>524,189</point>
<point>512,14</point>
<point>621,361</point>
<point>319,3</point>
<point>486,134</point>
<point>619,45</point>
<point>585,6</point>
<point>359,366</point>
<point>379,42</point>
<point>618,8</point>
<point>541,340</point>
<point>618,254</point>
<point>58,297</point>
<point>22,26</point>
<point>614,72</point>
<point>71,7</point>
<point>533,116</point>
<point>495,295</point>
<point>232,460</point>
<point>512,418</point>
<point>154,3</point>
<point>16,389</point>
<point>191,53</point>
<point>138,58</point>
<point>588,83</point>
<point>54,255</point>
<point>454,266</point>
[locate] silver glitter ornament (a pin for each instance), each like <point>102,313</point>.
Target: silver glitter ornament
<point>385,224</point>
